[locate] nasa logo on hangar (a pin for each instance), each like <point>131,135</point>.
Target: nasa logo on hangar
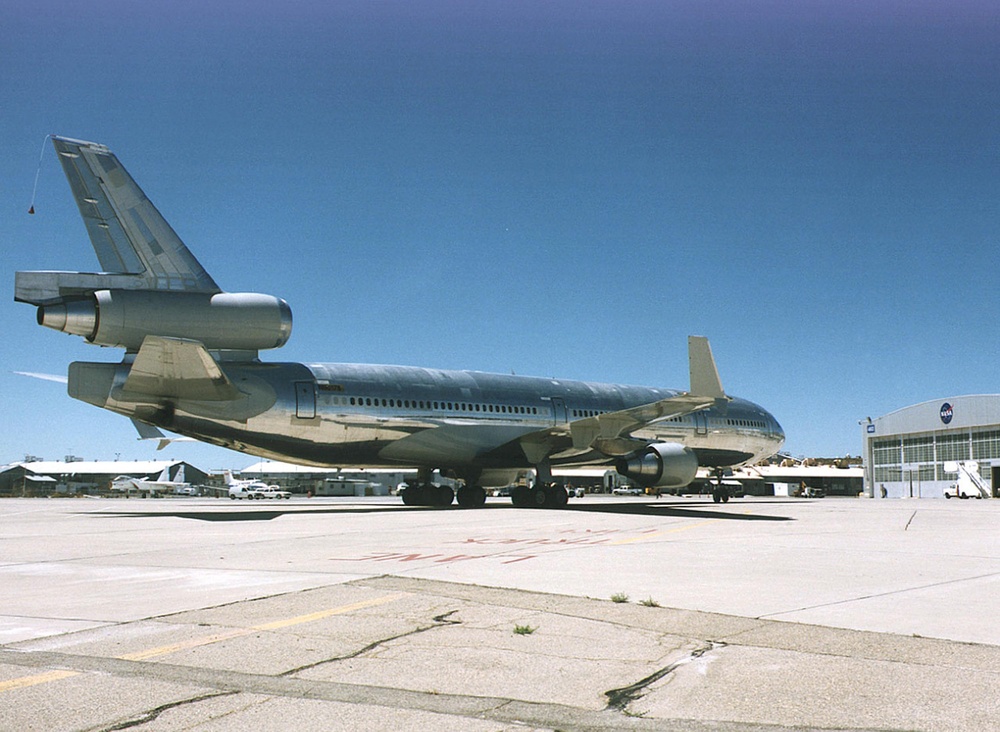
<point>947,412</point>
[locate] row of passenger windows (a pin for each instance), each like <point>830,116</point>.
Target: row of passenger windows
<point>746,423</point>
<point>588,412</point>
<point>422,404</point>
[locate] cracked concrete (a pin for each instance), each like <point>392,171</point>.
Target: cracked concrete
<point>585,668</point>
<point>413,650</point>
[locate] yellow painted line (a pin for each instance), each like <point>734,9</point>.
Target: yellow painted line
<point>50,676</point>
<point>184,645</point>
<point>275,625</point>
<point>311,617</point>
<point>45,678</point>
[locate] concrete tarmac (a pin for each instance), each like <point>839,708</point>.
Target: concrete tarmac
<point>363,614</point>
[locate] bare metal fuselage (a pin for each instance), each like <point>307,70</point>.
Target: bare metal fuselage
<point>384,416</point>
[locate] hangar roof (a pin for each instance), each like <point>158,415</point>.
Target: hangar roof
<point>939,415</point>
<point>98,467</point>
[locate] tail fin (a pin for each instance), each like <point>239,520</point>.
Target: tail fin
<point>128,233</point>
<point>136,247</point>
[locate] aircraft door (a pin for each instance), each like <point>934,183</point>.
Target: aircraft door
<point>305,400</point>
<point>558,410</point>
<point>700,423</point>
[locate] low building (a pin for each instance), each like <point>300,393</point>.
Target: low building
<point>304,479</point>
<point>52,478</point>
<point>779,480</point>
<point>919,451</point>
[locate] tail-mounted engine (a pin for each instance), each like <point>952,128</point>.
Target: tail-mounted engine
<point>220,321</point>
<point>662,464</point>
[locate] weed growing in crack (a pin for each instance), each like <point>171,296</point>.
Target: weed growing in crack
<point>649,602</point>
<point>524,630</point>
<point>619,597</point>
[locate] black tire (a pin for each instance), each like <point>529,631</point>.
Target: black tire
<point>556,496</point>
<point>471,496</point>
<point>520,496</point>
<point>443,495</point>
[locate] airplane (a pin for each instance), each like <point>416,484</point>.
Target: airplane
<point>246,484</point>
<point>191,366</point>
<point>161,484</point>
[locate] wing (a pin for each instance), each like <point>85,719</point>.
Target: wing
<point>611,433</point>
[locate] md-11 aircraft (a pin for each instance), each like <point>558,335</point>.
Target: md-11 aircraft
<point>191,367</point>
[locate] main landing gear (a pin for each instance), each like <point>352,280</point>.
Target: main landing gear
<point>428,494</point>
<point>549,495</point>
<point>546,493</point>
<point>425,493</point>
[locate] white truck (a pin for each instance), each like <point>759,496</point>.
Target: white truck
<point>272,491</point>
<point>252,489</point>
<point>969,484</point>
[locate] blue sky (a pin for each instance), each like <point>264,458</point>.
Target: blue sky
<point>552,188</point>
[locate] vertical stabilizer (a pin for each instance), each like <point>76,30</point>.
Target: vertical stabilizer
<point>128,233</point>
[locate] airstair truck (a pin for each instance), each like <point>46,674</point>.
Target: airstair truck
<point>970,484</point>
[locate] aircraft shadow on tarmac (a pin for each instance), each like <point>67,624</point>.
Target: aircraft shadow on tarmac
<point>652,510</point>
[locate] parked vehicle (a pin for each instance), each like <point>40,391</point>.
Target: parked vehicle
<point>622,491</point>
<point>248,491</point>
<point>272,491</point>
<point>956,491</point>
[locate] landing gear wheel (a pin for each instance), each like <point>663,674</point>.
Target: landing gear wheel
<point>556,496</point>
<point>471,496</point>
<point>539,497</point>
<point>442,495</point>
<point>520,496</point>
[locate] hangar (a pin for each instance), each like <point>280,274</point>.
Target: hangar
<point>78,477</point>
<point>920,451</point>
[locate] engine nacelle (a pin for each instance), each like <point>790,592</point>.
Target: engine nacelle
<point>663,464</point>
<point>242,321</point>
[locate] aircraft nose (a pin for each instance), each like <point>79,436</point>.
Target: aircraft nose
<point>776,429</point>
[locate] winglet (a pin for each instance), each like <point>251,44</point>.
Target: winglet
<point>704,375</point>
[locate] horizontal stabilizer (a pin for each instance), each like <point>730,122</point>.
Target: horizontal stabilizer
<point>177,368</point>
